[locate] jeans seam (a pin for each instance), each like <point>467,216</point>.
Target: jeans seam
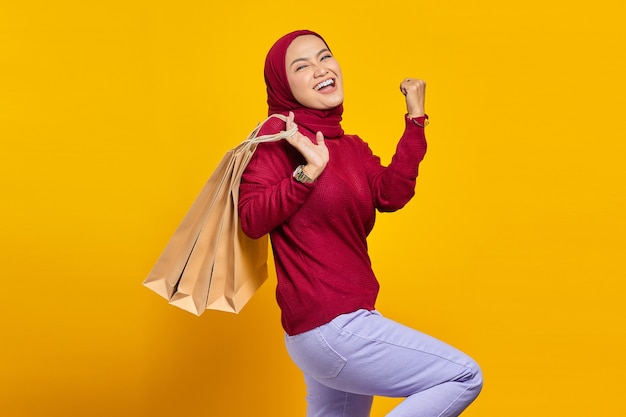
<point>323,342</point>
<point>342,330</point>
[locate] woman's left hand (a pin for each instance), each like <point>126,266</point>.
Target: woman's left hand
<point>414,91</point>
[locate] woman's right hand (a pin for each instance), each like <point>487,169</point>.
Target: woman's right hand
<point>316,155</point>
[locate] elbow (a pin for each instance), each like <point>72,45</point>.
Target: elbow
<point>406,198</point>
<point>251,232</point>
<point>403,192</point>
<point>388,205</point>
<point>248,225</point>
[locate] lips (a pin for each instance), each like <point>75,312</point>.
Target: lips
<point>325,84</point>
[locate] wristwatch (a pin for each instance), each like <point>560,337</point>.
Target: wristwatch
<point>300,176</point>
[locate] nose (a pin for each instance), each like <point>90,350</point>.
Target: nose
<point>320,71</point>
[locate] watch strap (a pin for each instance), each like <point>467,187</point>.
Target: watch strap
<point>300,176</point>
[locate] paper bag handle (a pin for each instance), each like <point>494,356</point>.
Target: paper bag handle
<point>253,138</point>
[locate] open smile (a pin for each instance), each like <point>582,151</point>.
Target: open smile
<point>325,85</point>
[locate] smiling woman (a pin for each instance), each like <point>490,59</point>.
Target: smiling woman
<point>313,73</point>
<point>316,194</point>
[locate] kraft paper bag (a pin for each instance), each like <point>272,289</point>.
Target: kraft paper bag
<point>209,262</point>
<point>242,258</point>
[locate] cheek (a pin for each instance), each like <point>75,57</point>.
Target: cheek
<point>337,70</point>
<point>290,82</point>
<point>297,86</point>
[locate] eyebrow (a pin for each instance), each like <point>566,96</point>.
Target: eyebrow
<point>306,59</point>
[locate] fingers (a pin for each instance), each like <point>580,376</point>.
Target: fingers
<point>412,84</point>
<point>315,153</point>
<point>403,86</point>
<point>290,120</point>
<point>289,124</point>
<point>301,142</point>
<point>414,91</point>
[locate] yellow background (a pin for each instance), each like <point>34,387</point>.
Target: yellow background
<point>114,113</point>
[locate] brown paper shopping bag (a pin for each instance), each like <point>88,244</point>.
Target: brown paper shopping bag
<point>215,244</point>
<point>164,277</point>
<point>241,265</point>
<point>209,263</point>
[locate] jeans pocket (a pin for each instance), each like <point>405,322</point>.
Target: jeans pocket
<point>314,355</point>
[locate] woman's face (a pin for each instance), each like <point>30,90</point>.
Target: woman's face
<point>313,73</point>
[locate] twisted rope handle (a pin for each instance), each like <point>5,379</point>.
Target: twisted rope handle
<point>253,138</point>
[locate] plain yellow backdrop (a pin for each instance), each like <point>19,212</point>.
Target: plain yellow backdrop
<point>114,113</point>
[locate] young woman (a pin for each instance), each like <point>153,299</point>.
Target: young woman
<point>316,194</point>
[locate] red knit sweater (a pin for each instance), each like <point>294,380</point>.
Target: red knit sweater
<point>318,231</point>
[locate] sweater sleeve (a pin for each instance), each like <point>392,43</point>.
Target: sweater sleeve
<point>394,186</point>
<point>268,195</point>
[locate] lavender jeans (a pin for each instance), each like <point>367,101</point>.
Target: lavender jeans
<point>362,354</point>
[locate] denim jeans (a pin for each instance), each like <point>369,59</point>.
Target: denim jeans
<point>362,354</point>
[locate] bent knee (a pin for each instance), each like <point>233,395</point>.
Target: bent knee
<point>475,378</point>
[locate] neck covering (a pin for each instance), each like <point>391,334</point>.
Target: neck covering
<point>280,99</point>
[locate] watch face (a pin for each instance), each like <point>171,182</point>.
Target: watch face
<point>300,176</point>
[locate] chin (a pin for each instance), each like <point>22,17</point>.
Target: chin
<point>331,103</point>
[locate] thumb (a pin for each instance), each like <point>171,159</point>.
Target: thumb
<point>319,138</point>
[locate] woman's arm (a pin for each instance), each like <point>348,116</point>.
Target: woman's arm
<point>394,186</point>
<point>268,195</point>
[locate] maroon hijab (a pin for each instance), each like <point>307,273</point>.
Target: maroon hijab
<point>281,100</point>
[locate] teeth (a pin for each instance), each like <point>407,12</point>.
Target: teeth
<point>324,84</point>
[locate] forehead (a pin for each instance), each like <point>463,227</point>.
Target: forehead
<point>305,46</point>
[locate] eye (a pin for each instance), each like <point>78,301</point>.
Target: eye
<point>300,67</point>
<point>325,57</point>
